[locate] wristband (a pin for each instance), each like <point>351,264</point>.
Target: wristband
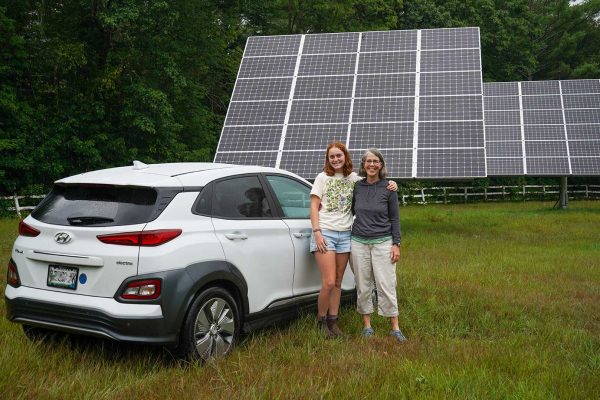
<point>317,230</point>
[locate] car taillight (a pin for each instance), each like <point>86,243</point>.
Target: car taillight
<point>12,275</point>
<point>142,290</point>
<point>146,238</point>
<point>26,230</point>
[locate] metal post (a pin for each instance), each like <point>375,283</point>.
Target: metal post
<point>564,193</point>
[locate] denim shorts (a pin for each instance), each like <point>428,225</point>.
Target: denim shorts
<point>338,241</point>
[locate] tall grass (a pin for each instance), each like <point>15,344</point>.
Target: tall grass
<point>497,300</point>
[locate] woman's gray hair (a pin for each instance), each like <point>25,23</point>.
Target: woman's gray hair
<point>376,153</point>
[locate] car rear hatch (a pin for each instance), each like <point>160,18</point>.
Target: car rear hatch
<point>67,255</point>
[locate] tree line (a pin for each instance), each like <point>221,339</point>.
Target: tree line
<point>89,84</point>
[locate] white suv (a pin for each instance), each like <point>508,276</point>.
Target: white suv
<point>187,255</point>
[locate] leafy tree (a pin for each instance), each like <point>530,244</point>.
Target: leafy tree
<point>96,84</point>
<point>567,41</point>
<point>319,16</point>
<point>15,115</point>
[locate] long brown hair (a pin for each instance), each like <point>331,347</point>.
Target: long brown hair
<point>347,168</point>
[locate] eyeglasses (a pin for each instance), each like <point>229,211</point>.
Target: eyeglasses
<point>373,162</point>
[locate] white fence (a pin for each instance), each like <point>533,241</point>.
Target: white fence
<point>17,204</point>
<point>432,195</point>
<point>453,194</point>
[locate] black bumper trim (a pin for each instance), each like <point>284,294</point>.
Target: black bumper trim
<point>88,322</point>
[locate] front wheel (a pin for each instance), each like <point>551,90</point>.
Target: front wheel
<point>211,327</point>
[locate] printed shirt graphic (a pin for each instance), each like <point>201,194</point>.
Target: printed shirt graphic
<point>335,193</point>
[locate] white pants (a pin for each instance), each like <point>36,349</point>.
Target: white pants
<point>372,263</point>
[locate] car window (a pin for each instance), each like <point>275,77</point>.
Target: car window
<point>203,204</point>
<point>293,196</point>
<point>241,197</point>
<point>100,205</point>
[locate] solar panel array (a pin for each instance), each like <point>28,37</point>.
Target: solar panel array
<point>415,95</point>
<point>543,128</point>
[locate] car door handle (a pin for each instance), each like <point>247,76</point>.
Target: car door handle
<point>301,234</point>
<point>235,236</point>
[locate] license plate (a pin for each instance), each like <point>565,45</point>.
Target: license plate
<point>61,276</point>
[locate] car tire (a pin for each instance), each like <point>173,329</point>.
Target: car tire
<point>211,327</point>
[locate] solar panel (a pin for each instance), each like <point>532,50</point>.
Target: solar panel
<point>543,128</point>
<point>416,95</point>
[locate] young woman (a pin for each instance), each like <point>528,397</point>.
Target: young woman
<point>331,219</point>
<point>375,243</point>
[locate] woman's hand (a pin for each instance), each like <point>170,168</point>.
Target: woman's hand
<point>392,186</point>
<point>320,242</point>
<point>395,253</point>
<point>315,205</point>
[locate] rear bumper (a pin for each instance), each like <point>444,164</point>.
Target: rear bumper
<point>154,322</point>
<point>101,317</point>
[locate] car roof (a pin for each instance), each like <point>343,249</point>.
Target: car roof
<point>164,175</point>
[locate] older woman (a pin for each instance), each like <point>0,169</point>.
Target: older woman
<point>331,219</point>
<point>375,243</point>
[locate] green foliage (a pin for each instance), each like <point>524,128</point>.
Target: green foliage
<point>91,85</point>
<point>567,40</point>
<point>318,16</point>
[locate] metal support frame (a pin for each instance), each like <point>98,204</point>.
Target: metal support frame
<point>563,197</point>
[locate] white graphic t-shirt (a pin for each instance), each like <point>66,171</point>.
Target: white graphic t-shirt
<point>335,193</point>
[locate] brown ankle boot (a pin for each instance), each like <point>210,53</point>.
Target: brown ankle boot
<point>323,329</point>
<point>333,328</point>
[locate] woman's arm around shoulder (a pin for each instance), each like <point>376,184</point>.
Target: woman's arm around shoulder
<point>392,186</point>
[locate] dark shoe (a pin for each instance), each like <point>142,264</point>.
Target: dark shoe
<point>398,335</point>
<point>333,328</point>
<point>323,329</point>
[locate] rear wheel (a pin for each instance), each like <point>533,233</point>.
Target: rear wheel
<point>211,327</point>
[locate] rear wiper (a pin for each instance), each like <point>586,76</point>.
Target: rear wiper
<point>91,220</point>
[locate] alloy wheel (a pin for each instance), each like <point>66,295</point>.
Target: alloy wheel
<point>214,329</point>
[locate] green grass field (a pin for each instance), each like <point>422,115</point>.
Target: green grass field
<point>498,301</point>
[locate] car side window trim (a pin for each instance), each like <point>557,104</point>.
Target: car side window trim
<point>270,202</point>
<point>280,209</point>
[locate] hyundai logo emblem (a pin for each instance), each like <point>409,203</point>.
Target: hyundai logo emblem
<point>62,238</point>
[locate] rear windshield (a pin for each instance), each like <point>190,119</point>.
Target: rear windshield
<point>85,205</point>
